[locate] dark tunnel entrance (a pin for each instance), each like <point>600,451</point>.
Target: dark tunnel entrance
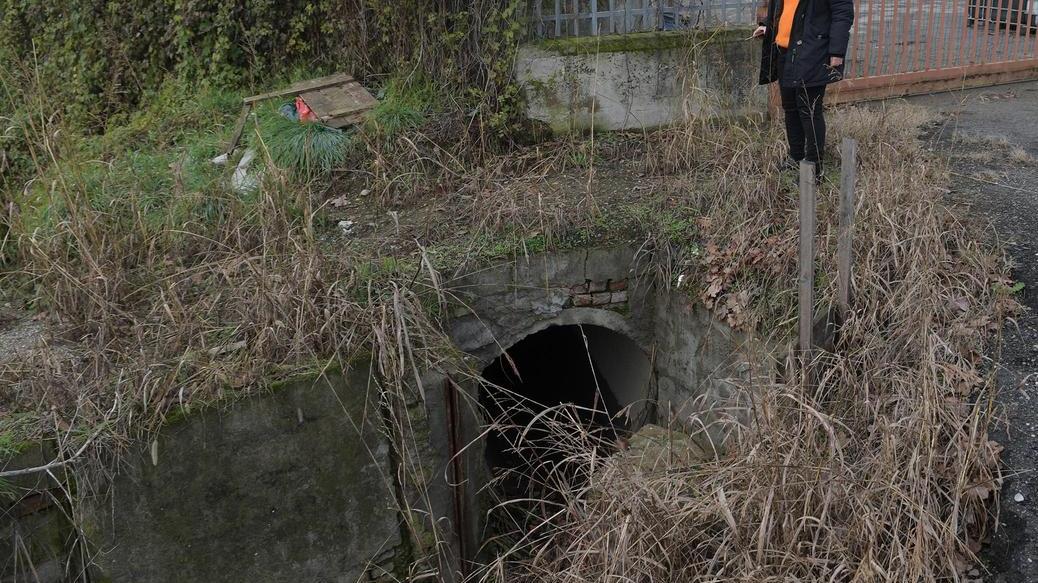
<point>557,392</point>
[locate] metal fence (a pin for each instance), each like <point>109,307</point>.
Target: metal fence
<point>568,18</point>
<point>900,47</point>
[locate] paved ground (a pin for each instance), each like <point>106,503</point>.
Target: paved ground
<point>991,137</point>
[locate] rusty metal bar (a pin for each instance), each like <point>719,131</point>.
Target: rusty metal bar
<point>1012,23</point>
<point>977,75</point>
<point>457,468</point>
<point>1008,20</point>
<point>882,36</point>
<point>1020,29</point>
<point>966,36</point>
<point>1024,35</point>
<point>918,18</point>
<point>902,47</point>
<point>933,40</point>
<point>868,46</point>
<point>917,46</point>
<point>978,31</point>
<point>1034,44</point>
<point>856,47</point>
<point>940,53</point>
<point>985,49</point>
<point>940,40</point>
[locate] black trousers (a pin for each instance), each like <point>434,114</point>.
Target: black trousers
<point>805,123</point>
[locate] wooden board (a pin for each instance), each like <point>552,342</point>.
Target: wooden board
<point>337,100</point>
<point>339,105</point>
<point>302,86</point>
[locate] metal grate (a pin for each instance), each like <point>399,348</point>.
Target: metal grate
<point>568,18</point>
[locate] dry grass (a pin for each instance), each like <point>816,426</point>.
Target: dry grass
<point>883,471</point>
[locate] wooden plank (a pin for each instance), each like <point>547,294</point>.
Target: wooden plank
<point>296,88</point>
<point>806,294</point>
<point>239,127</point>
<point>844,252</point>
<point>346,120</point>
<point>339,101</point>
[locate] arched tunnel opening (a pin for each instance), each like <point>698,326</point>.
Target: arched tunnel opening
<point>556,394</point>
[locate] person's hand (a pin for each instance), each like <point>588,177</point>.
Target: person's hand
<point>835,61</point>
<point>759,32</point>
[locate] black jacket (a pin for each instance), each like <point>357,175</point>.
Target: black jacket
<point>821,29</point>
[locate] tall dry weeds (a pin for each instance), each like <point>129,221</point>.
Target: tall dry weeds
<point>881,471</point>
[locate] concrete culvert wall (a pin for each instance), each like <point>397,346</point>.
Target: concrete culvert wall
<point>570,327</point>
<point>577,325</point>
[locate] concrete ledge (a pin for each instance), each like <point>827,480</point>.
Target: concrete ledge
<point>640,41</point>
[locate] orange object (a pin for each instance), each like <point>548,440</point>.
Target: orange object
<point>785,25</point>
<point>306,115</point>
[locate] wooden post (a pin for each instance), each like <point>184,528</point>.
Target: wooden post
<point>239,127</point>
<point>807,257</point>
<point>844,252</point>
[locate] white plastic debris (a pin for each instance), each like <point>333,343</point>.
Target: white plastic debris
<point>347,227</point>
<point>1019,497</point>
<point>240,180</point>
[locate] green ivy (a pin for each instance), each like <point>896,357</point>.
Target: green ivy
<point>97,59</point>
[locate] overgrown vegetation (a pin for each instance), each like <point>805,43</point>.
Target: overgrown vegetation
<point>877,468</point>
<point>161,288</point>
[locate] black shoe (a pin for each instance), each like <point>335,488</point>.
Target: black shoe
<point>791,165</point>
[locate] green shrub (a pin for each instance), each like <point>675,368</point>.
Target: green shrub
<point>304,149</point>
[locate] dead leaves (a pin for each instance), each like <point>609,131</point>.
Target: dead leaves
<point>735,274</point>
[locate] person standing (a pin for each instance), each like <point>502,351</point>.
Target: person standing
<point>804,46</point>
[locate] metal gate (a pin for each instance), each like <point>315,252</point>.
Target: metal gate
<point>905,47</point>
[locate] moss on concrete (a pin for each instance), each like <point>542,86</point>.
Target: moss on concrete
<point>641,41</point>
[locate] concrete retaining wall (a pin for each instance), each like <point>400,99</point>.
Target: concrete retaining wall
<point>296,485</point>
<point>302,484</point>
<point>640,80</point>
<point>696,357</point>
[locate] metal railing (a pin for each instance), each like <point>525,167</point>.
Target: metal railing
<point>569,18</point>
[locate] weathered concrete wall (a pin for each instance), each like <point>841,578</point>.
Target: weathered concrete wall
<point>508,302</point>
<point>300,484</point>
<point>701,362</point>
<point>640,80</point>
<point>292,486</point>
<point>34,531</point>
<point>697,357</point>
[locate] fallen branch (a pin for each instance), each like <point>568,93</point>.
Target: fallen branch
<point>54,464</point>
